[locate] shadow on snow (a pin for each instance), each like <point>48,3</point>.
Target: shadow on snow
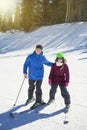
<point>8,123</point>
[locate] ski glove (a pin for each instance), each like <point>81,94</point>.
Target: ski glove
<point>49,81</point>
<point>25,75</point>
<point>66,84</point>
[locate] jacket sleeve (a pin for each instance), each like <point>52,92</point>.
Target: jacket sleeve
<point>67,75</point>
<point>26,64</point>
<point>46,62</point>
<point>51,73</point>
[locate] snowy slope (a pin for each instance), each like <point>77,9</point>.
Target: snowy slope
<point>14,47</point>
<point>72,36</point>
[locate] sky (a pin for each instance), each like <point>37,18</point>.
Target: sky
<point>71,39</point>
<point>7,6</point>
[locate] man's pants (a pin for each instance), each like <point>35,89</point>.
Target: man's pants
<point>32,85</point>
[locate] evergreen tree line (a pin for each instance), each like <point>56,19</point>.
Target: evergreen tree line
<point>31,14</point>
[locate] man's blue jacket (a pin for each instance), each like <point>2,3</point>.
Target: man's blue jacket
<point>34,65</point>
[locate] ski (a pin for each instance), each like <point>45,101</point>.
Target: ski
<point>15,114</point>
<point>36,109</point>
<point>66,118</point>
<point>34,106</point>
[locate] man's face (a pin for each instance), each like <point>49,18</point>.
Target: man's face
<point>38,51</point>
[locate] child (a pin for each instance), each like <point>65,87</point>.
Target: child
<point>59,75</point>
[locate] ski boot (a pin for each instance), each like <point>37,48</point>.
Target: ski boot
<point>50,101</point>
<point>67,107</point>
<point>37,104</point>
<point>29,101</point>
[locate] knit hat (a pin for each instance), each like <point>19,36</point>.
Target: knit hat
<point>60,55</point>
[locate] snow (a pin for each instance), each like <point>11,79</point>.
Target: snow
<point>71,39</point>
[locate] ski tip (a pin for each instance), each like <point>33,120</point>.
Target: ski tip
<point>11,115</point>
<point>66,122</point>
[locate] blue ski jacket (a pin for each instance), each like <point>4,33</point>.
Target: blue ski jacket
<point>34,65</point>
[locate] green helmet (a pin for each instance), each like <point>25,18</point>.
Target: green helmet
<point>60,55</point>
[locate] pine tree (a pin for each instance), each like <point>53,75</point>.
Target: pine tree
<point>17,17</point>
<point>27,14</point>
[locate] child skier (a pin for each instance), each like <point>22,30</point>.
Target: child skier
<point>59,75</point>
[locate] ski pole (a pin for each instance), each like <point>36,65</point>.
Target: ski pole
<point>19,91</point>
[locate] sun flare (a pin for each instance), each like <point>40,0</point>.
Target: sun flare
<point>7,5</point>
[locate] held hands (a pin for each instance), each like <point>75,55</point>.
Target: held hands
<point>49,81</point>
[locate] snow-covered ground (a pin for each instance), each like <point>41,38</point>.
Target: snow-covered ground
<point>71,39</point>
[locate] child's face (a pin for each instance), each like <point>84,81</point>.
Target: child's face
<point>59,60</point>
<point>38,51</point>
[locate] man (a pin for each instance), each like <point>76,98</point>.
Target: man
<point>34,64</point>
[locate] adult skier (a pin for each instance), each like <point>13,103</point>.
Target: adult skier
<point>33,65</point>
